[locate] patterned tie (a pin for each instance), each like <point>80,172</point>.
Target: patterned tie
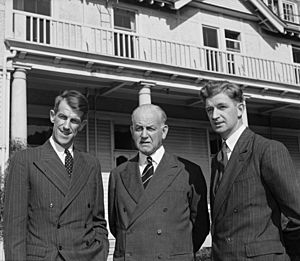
<point>222,159</point>
<point>68,162</point>
<point>147,172</point>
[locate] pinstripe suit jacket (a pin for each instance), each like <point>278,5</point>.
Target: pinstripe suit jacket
<point>259,183</point>
<point>163,221</point>
<point>47,215</point>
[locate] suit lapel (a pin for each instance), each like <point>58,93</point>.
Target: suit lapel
<point>166,172</point>
<point>80,175</point>
<point>132,180</point>
<point>239,157</point>
<point>52,167</point>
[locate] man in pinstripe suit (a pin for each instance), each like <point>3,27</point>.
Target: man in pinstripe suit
<point>251,191</point>
<point>52,212</point>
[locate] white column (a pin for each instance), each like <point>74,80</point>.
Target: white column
<point>145,93</point>
<point>19,107</point>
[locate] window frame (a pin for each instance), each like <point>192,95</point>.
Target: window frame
<point>291,18</point>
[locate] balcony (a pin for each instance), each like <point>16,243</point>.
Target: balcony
<point>44,30</point>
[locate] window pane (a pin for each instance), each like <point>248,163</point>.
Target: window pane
<point>296,54</point>
<point>123,139</point>
<point>30,6</point>
<point>18,5</point>
<point>210,37</point>
<point>124,19</point>
<point>44,7</point>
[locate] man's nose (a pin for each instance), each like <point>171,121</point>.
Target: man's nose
<point>144,133</point>
<point>66,124</point>
<point>215,114</point>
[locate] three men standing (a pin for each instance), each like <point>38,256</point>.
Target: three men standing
<point>54,195</point>
<point>157,204</point>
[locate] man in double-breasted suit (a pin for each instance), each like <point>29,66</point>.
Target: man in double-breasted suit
<point>162,215</point>
<point>253,183</point>
<point>54,195</point>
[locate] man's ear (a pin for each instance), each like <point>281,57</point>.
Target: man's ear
<point>131,130</point>
<point>52,115</point>
<point>165,130</point>
<point>82,124</point>
<point>240,108</point>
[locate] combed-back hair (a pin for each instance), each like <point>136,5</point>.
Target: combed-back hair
<point>75,99</point>
<point>213,88</point>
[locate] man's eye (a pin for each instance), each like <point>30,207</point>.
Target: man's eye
<point>62,117</point>
<point>222,107</point>
<point>209,109</point>
<point>75,121</point>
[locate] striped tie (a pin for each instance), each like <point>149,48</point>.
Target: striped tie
<point>148,172</point>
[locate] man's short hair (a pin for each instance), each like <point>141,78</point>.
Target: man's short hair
<point>76,100</point>
<point>152,107</point>
<point>213,88</point>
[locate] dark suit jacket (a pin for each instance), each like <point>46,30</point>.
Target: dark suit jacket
<point>47,214</point>
<point>259,183</point>
<point>162,221</point>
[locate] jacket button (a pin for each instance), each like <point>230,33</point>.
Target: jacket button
<point>235,210</point>
<point>51,205</point>
<point>228,239</point>
<point>58,226</point>
<point>159,231</point>
<point>165,209</point>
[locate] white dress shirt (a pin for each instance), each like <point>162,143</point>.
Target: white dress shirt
<point>60,151</point>
<point>156,158</point>
<point>232,140</point>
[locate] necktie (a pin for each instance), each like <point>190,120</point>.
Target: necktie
<point>222,159</point>
<point>68,162</point>
<point>147,172</point>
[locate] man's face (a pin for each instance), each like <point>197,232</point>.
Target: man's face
<point>148,132</point>
<point>224,114</point>
<point>66,124</point>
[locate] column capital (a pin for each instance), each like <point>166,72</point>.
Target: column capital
<point>146,84</point>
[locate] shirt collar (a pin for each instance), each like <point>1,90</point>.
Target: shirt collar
<point>58,148</point>
<point>156,156</point>
<point>232,140</point>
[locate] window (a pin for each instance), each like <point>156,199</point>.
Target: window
<point>124,20</point>
<point>233,44</point>
<point>37,28</point>
<point>124,145</point>
<point>42,7</point>
<point>296,54</point>
<point>296,59</point>
<point>210,37</point>
<point>213,57</point>
<point>233,41</point>
<point>289,12</point>
<point>273,5</point>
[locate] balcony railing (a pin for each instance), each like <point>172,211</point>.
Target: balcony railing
<point>44,30</point>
